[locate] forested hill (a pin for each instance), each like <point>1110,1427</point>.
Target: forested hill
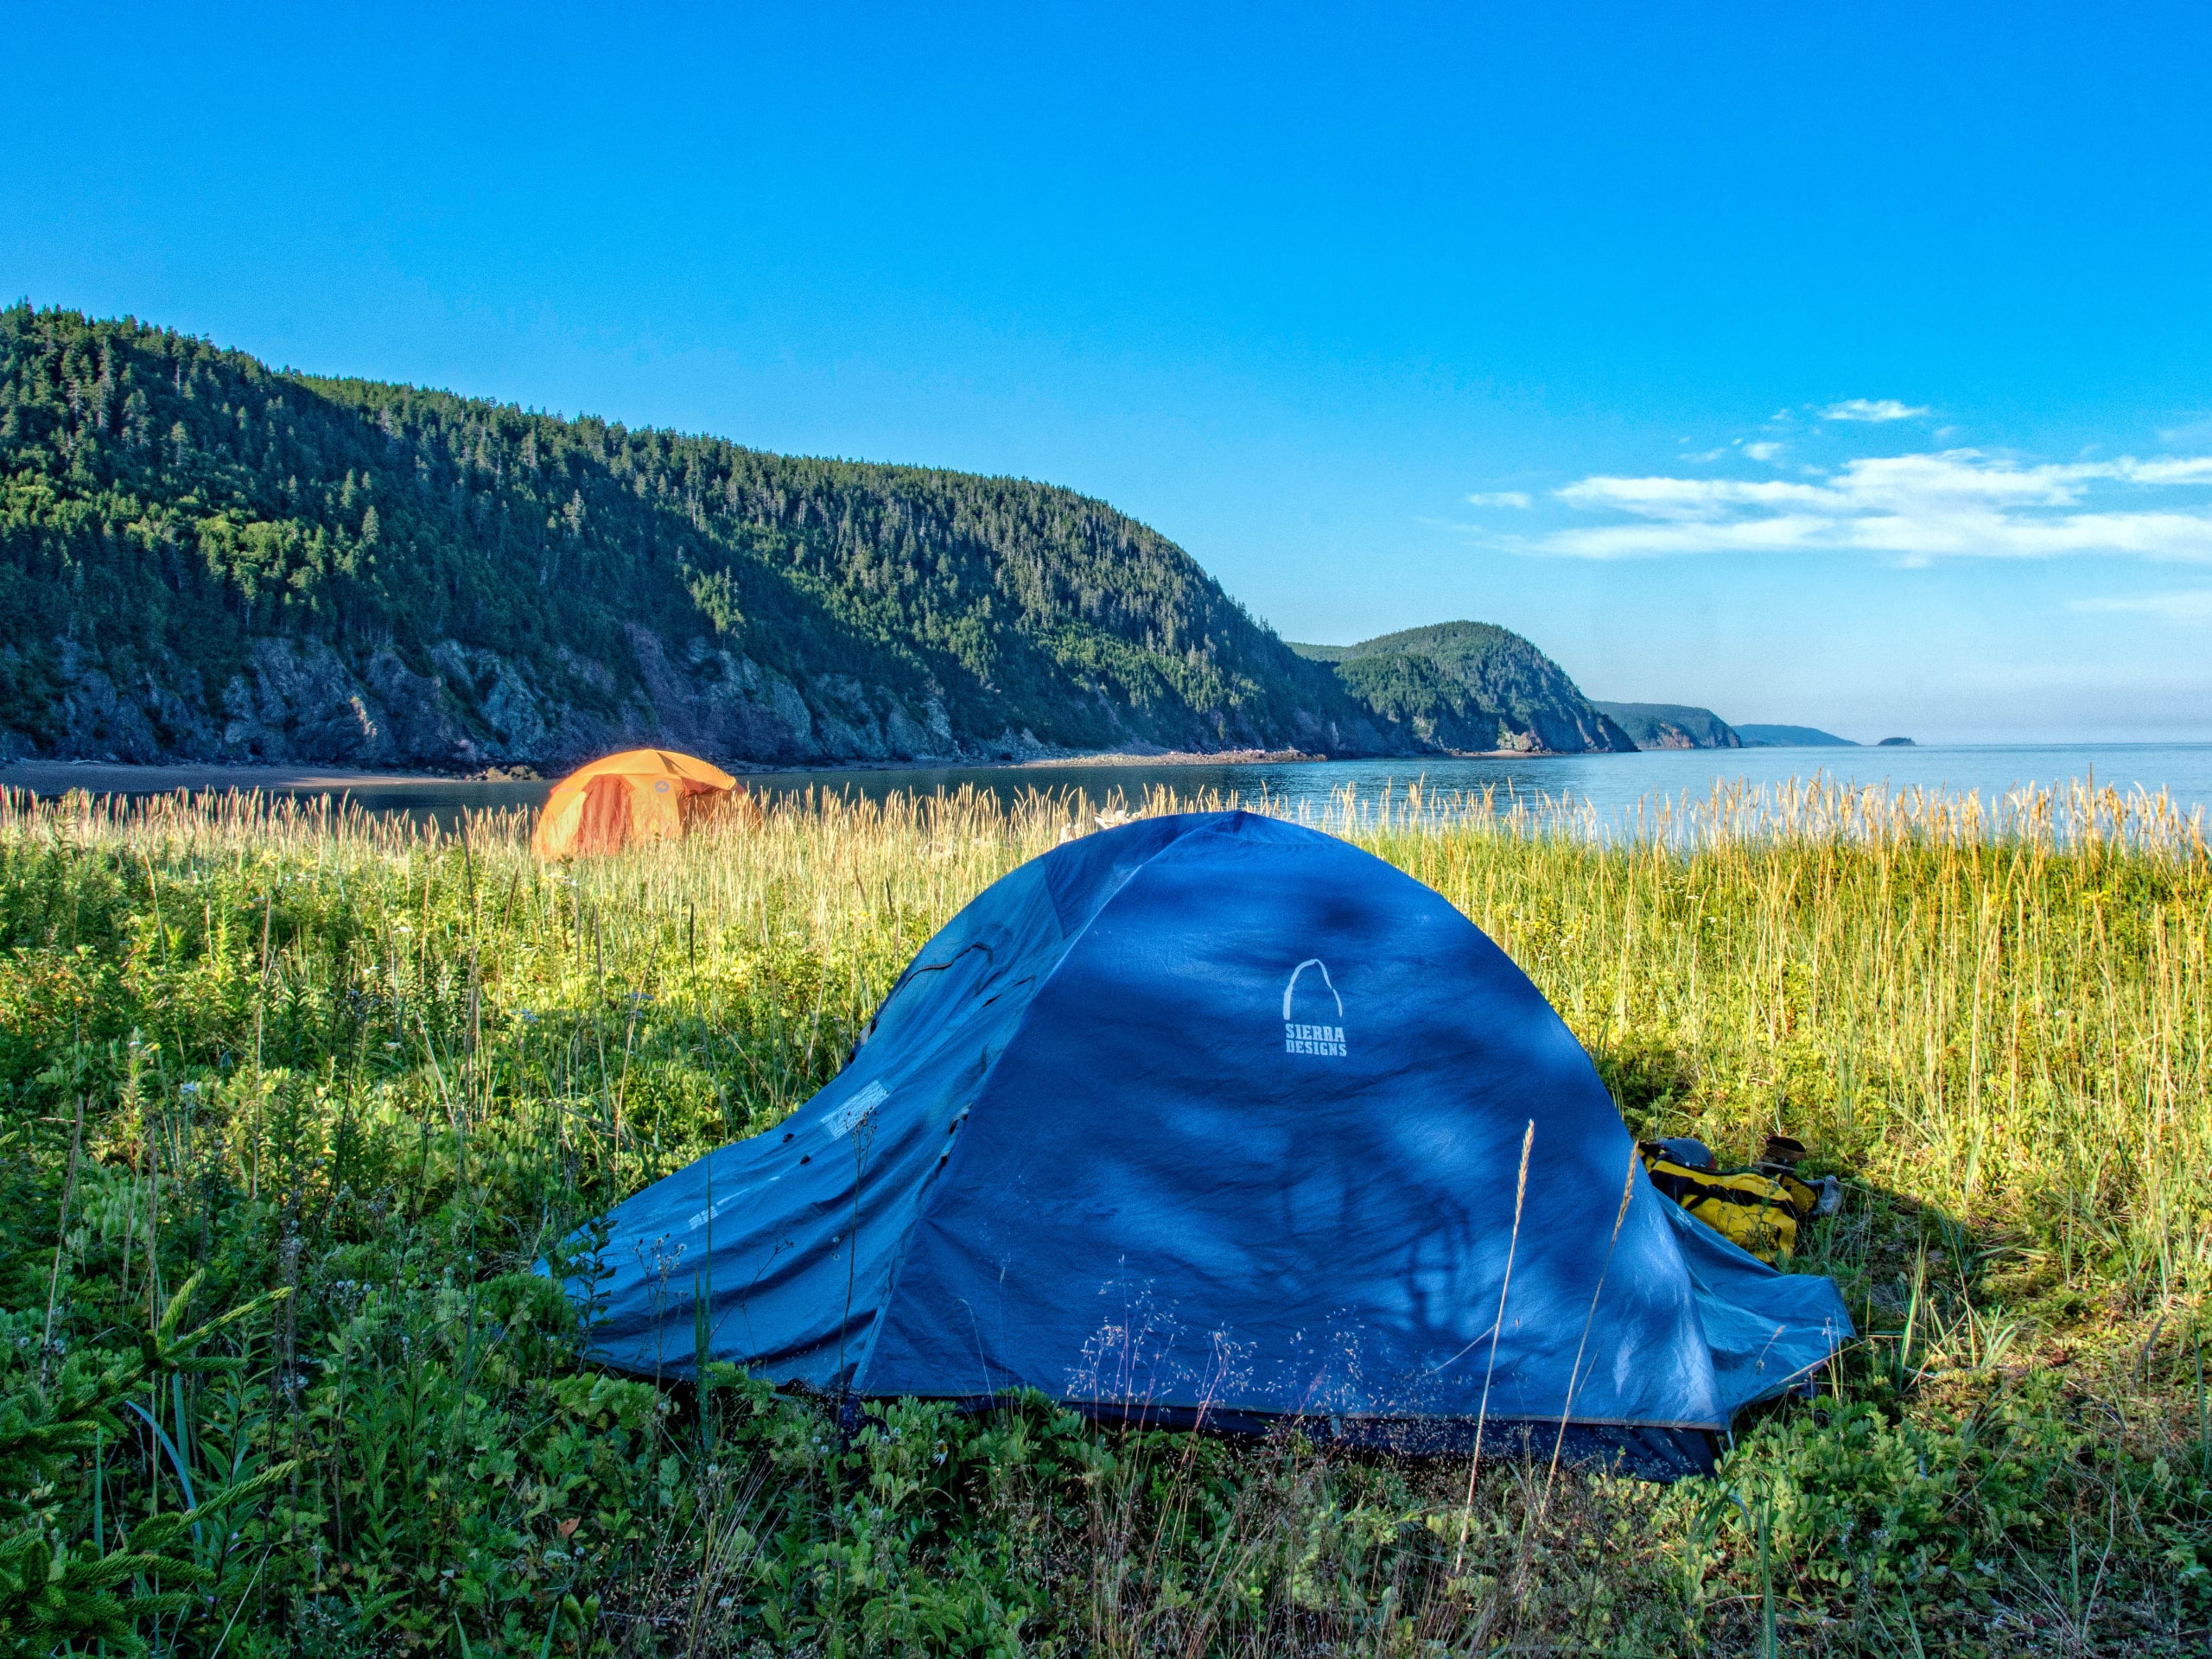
<point>202,557</point>
<point>1471,687</point>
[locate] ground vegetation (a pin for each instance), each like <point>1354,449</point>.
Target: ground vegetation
<point>293,1101</point>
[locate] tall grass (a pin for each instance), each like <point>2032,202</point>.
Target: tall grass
<point>295,1096</point>
<point>1999,1011</point>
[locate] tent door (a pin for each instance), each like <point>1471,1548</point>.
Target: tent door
<point>604,825</point>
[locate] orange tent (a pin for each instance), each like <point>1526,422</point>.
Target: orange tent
<point>628,800</point>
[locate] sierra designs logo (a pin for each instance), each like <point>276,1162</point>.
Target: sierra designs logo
<point>1302,1037</point>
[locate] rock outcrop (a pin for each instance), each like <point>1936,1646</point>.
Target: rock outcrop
<point>298,702</point>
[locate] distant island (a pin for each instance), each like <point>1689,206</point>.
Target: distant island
<point>1895,743</point>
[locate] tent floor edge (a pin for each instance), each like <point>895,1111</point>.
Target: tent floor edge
<point>1656,1452</point>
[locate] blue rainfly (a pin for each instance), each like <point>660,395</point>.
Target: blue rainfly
<point>1216,1118</point>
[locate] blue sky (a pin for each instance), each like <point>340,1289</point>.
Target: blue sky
<point>1843,365</point>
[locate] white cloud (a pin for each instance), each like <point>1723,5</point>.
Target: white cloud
<point>1872,409</point>
<point>1499,499</point>
<point>1765,449</point>
<point>2189,469</point>
<point>2190,605</point>
<point>1910,508</point>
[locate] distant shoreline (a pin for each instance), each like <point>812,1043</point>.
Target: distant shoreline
<point>114,777</point>
<point>51,777</point>
<point>110,777</point>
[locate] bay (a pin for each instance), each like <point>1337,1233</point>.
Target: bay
<point>1613,788</point>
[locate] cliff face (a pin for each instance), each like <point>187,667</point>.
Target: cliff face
<point>302,701</point>
<point>1471,687</point>
<point>201,558</point>
<point>1672,726</point>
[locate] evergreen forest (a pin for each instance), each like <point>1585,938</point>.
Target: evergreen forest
<point>1470,686</point>
<point>202,557</point>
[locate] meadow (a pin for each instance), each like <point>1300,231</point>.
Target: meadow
<point>294,1099</point>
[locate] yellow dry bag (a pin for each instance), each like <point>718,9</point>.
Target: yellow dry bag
<point>1757,1209</point>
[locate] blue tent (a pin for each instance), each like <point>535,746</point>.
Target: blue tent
<point>1216,1118</point>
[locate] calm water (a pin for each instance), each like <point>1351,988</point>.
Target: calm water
<point>1612,784</point>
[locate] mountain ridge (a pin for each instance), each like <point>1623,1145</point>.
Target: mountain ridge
<point>207,560</point>
<point>203,558</point>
